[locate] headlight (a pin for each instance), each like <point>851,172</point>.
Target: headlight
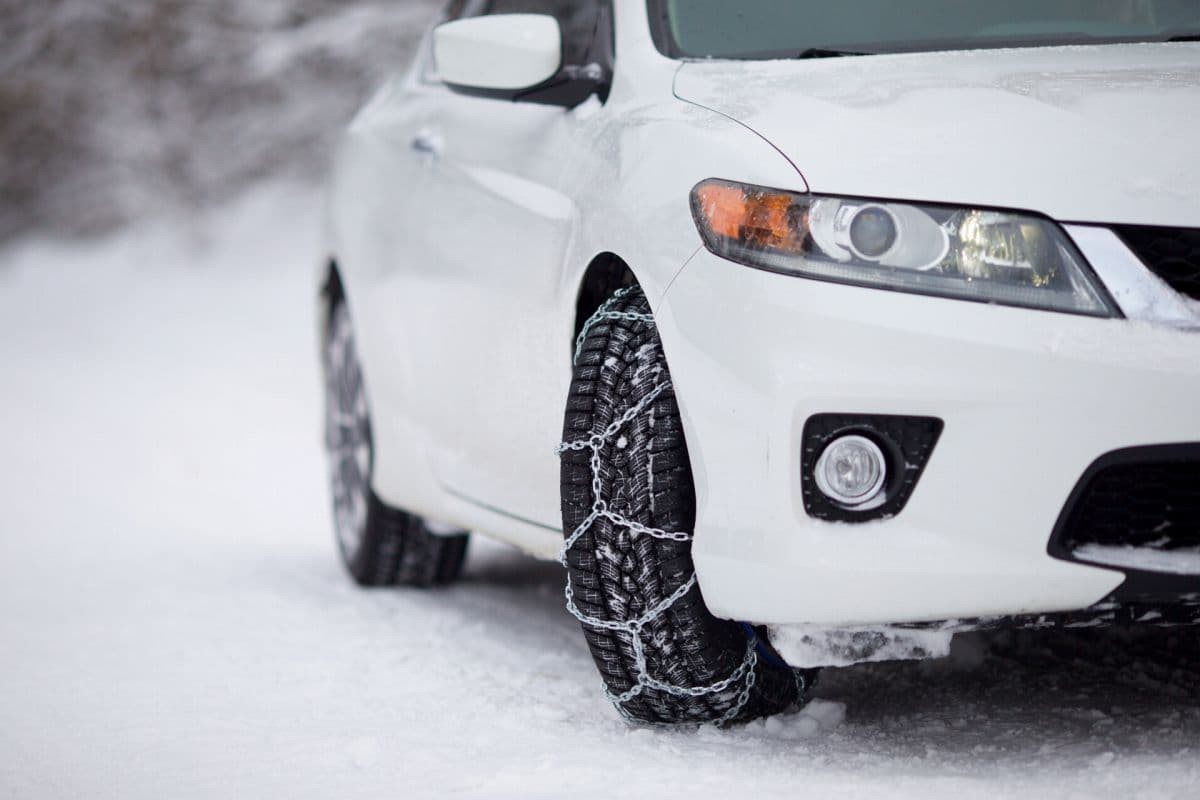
<point>965,253</point>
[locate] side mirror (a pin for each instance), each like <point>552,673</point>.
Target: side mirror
<point>500,52</point>
<point>512,57</point>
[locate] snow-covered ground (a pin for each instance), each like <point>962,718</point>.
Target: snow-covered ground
<point>175,623</point>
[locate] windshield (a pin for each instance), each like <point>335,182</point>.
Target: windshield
<point>795,28</point>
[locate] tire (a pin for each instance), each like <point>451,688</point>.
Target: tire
<point>380,545</point>
<point>697,668</point>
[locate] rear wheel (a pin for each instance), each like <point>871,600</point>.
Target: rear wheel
<point>629,507</point>
<point>380,545</point>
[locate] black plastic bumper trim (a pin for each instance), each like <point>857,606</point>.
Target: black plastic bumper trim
<point>906,441</point>
<point>1140,586</point>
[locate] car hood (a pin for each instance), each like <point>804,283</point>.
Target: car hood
<point>1084,134</point>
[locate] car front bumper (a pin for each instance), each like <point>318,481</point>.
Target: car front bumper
<point>1029,400</point>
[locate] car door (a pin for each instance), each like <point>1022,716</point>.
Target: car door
<point>487,295</point>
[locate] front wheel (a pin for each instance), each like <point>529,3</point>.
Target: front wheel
<point>629,506</point>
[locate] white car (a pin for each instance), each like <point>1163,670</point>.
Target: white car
<point>803,332</point>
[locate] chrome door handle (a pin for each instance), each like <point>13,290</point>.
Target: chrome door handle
<point>428,142</point>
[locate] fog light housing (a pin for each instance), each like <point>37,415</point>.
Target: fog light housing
<point>905,444</point>
<point>852,471</point>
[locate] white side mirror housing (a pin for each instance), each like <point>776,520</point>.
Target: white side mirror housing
<point>504,52</point>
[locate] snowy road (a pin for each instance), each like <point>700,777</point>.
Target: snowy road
<point>175,624</point>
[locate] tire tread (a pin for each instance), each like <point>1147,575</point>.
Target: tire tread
<point>616,576</point>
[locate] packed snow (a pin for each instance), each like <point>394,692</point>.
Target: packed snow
<point>1182,561</point>
<point>176,623</point>
<point>817,645</point>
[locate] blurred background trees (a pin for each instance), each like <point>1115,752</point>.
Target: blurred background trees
<point>111,109</point>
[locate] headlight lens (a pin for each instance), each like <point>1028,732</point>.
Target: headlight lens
<point>965,253</point>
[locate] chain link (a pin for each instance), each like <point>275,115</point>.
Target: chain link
<point>746,672</point>
<point>605,312</point>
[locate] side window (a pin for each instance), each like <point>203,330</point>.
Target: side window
<point>454,9</point>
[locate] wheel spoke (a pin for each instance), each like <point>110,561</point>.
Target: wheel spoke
<point>347,433</point>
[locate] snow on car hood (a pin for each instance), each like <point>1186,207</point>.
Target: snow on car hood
<point>1085,134</point>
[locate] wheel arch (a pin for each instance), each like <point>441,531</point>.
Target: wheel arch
<point>605,273</point>
<point>401,477</point>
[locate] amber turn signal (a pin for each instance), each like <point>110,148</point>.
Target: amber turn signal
<point>750,216</point>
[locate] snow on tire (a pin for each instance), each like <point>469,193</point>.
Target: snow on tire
<point>628,504</point>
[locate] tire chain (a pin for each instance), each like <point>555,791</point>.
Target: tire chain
<point>746,672</point>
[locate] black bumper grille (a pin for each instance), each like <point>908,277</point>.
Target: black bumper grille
<point>1143,497</point>
<point>1155,505</point>
<point>1171,253</point>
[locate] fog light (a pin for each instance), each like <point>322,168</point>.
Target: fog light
<point>852,471</point>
